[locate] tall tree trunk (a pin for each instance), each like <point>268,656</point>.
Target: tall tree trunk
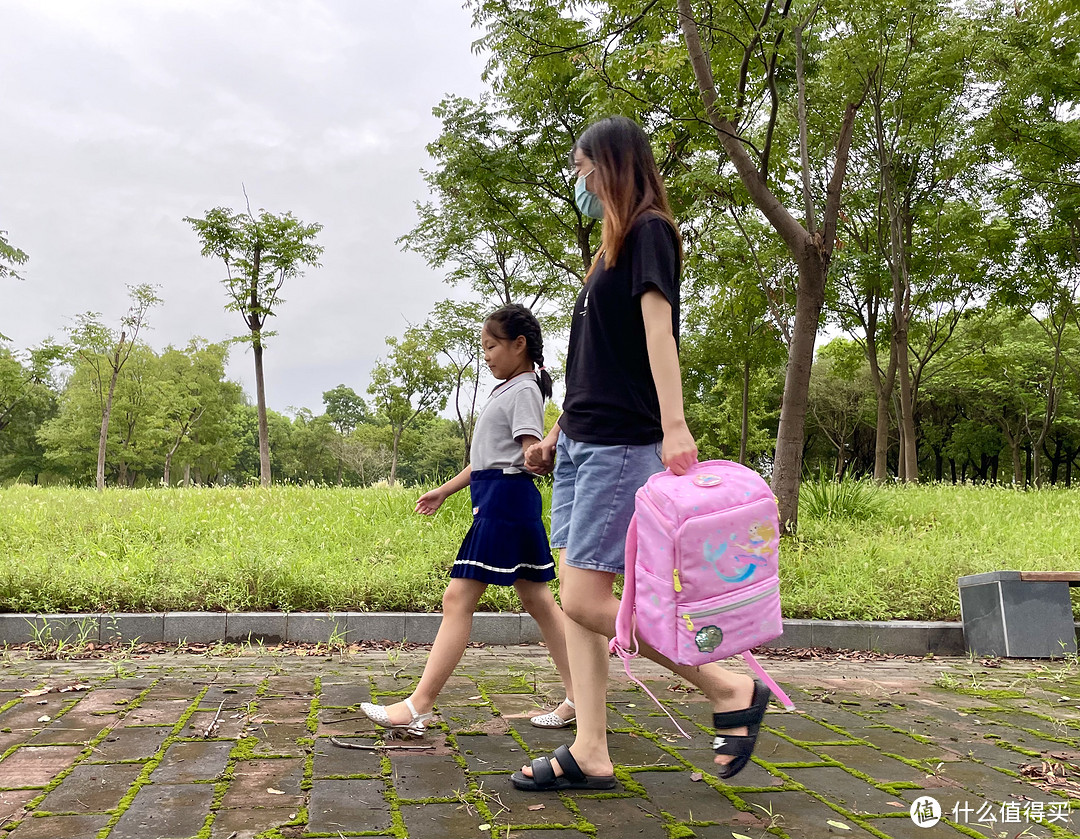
<point>103,438</point>
<point>264,428</point>
<point>787,466</point>
<point>884,392</point>
<point>255,322</point>
<point>394,456</point>
<point>167,479</point>
<point>744,431</point>
<point>187,474</point>
<point>908,451</point>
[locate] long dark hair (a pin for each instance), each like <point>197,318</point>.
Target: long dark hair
<point>514,320</point>
<point>629,181</point>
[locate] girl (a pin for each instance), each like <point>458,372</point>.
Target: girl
<point>507,543</point>
<point>622,421</point>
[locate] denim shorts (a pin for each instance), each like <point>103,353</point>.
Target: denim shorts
<point>593,500</point>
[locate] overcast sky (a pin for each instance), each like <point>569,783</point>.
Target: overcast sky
<point>120,117</point>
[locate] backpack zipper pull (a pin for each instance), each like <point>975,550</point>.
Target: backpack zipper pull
<point>675,574</point>
<point>689,623</point>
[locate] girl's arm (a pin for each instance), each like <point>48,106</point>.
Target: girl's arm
<point>540,456</point>
<point>432,500</point>
<point>680,450</point>
<point>527,442</point>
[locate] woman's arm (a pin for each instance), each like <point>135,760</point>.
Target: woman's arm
<point>680,450</point>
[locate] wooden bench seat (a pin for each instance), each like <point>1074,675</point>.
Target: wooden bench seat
<point>1019,614</point>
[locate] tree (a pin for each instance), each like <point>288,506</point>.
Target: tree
<point>10,259</point>
<point>195,402</point>
<point>838,394</point>
<point>27,399</point>
<point>407,384</point>
<point>756,105</point>
<point>19,379</point>
<point>260,254</point>
<point>346,410</point>
<point>106,351</point>
<point>455,333</point>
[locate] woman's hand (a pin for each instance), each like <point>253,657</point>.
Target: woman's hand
<point>540,457</point>
<point>679,451</point>
<point>430,501</point>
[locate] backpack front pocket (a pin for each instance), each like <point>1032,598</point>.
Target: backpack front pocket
<point>729,623</point>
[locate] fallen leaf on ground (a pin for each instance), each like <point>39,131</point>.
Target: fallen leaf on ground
<point>44,718</point>
<point>273,791</point>
<point>54,689</point>
<point>840,825</point>
<point>895,804</point>
<point>537,807</point>
<point>696,776</point>
<point>1050,776</point>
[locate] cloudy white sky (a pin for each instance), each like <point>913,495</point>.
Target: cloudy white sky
<point>120,117</point>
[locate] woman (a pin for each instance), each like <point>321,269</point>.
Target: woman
<point>622,421</point>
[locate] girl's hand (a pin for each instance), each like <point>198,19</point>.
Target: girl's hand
<point>430,501</point>
<point>540,457</point>
<point>679,449</point>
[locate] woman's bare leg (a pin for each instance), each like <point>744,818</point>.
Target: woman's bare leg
<point>591,609</point>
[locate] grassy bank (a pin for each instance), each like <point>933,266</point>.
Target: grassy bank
<point>313,549</point>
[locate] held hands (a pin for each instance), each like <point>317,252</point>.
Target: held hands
<point>430,501</point>
<point>679,449</point>
<point>540,457</point>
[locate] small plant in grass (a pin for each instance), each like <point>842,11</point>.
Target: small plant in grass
<point>776,820</point>
<point>46,645</point>
<point>826,498</point>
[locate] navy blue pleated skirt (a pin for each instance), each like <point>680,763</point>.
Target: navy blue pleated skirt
<point>507,540</point>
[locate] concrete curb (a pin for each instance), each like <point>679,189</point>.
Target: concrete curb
<point>495,628</point>
<point>900,637</point>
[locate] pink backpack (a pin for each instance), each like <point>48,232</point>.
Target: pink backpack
<point>702,580</point>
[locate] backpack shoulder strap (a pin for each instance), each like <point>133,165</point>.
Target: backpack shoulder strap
<point>752,663</point>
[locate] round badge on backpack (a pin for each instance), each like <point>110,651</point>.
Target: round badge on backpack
<point>708,479</point>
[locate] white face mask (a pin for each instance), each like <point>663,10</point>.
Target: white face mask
<point>587,201</point>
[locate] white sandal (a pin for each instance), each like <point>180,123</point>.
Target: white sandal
<point>553,720</point>
<point>416,726</point>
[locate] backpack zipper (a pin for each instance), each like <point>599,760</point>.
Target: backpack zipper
<point>689,616</point>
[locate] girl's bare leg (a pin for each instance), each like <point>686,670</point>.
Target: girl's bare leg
<point>459,603</point>
<point>540,603</point>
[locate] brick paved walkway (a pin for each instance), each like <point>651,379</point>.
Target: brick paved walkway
<point>180,745</point>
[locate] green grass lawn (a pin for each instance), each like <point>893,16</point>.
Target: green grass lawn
<point>317,549</point>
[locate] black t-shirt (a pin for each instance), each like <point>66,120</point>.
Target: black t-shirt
<point>610,395</point>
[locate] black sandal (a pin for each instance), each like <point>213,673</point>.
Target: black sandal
<point>544,779</point>
<point>740,745</point>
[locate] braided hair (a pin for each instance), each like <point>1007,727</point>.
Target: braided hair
<point>513,320</point>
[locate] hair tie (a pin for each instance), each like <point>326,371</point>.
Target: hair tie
<point>541,369</point>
